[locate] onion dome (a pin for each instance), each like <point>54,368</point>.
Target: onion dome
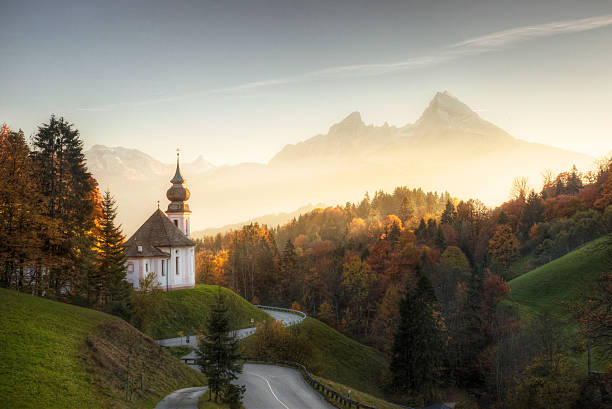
<point>178,194</point>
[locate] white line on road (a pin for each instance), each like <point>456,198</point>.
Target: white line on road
<point>269,386</point>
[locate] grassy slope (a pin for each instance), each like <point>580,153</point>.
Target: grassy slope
<point>56,355</point>
<point>343,360</point>
<point>562,280</point>
<point>358,395</point>
<point>187,310</point>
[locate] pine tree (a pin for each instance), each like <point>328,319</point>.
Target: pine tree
<point>218,353</point>
<point>406,210</point>
<point>440,239</point>
<point>417,351</point>
<point>111,289</point>
<point>449,215</point>
<point>70,196</point>
<point>532,213</point>
<point>421,230</point>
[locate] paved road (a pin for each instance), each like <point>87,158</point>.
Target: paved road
<point>268,387</point>
<point>182,399</point>
<point>277,387</point>
<point>286,317</point>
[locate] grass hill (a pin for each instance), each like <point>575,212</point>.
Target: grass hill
<point>343,360</point>
<point>56,355</point>
<point>547,287</point>
<point>187,310</point>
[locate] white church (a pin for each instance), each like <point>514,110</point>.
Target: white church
<point>162,245</point>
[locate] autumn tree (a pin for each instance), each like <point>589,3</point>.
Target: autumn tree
<point>503,247</point>
<point>520,188</point>
<point>358,281</point>
<point>594,313</point>
<point>20,210</point>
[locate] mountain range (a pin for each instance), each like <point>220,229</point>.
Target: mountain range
<point>450,147</point>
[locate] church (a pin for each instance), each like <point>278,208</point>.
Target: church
<point>162,245</point>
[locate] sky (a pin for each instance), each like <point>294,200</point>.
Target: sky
<point>237,81</point>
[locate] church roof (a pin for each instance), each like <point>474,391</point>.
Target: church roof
<point>157,231</point>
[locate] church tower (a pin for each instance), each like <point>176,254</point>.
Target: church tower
<point>178,211</point>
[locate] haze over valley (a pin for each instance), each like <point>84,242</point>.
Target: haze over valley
<point>448,148</point>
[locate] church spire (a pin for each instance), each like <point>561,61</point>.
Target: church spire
<point>178,194</point>
<point>178,178</point>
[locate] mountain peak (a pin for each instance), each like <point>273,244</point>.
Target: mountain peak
<point>354,118</point>
<point>445,103</point>
<point>350,124</point>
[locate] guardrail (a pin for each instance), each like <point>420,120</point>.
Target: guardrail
<point>316,385</point>
<point>266,307</point>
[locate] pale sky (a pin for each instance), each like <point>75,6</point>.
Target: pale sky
<point>236,81</point>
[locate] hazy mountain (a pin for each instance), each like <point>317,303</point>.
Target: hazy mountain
<point>132,164</point>
<point>271,220</point>
<point>448,148</point>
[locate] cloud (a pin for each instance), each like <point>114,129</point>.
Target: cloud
<point>474,46</point>
<point>503,38</point>
<point>478,45</point>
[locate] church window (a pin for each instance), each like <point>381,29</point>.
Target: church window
<point>146,267</point>
<point>176,223</point>
<point>177,265</point>
<point>163,268</point>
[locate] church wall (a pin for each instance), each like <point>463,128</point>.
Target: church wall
<point>182,221</point>
<point>186,273</point>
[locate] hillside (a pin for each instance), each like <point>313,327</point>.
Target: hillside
<point>341,359</point>
<point>562,280</point>
<point>56,355</point>
<point>187,310</point>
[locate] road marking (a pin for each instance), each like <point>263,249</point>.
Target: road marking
<point>269,386</point>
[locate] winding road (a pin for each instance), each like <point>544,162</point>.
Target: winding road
<point>277,387</point>
<point>183,398</point>
<point>267,386</point>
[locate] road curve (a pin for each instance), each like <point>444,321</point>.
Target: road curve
<point>267,386</point>
<point>183,398</point>
<point>277,387</point>
<point>191,340</point>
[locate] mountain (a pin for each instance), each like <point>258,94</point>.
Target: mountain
<point>132,164</point>
<point>450,147</point>
<point>271,220</point>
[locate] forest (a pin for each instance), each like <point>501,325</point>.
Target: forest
<point>422,276</point>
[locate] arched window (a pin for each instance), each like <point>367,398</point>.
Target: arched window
<point>177,264</point>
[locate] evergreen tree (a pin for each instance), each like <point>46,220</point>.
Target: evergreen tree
<point>440,239</point>
<point>70,196</point>
<point>218,353</point>
<point>471,336</point>
<point>417,351</point>
<point>449,215</point>
<point>421,230</point>
<point>574,182</point>
<point>111,290</point>
<point>532,213</point>
<point>406,210</point>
